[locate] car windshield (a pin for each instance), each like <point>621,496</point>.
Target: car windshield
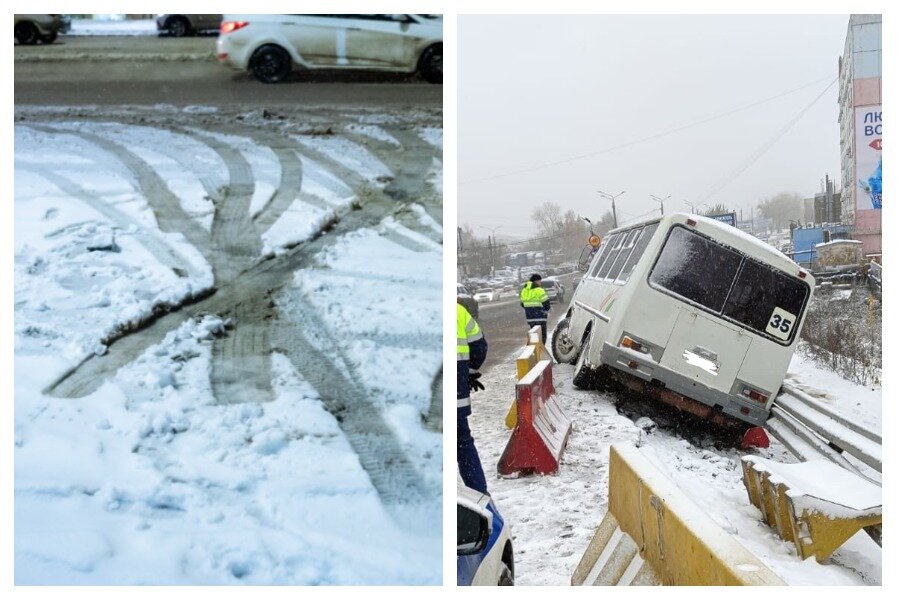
<point>483,292</point>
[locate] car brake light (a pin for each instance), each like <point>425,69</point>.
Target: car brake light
<point>754,395</point>
<point>229,26</point>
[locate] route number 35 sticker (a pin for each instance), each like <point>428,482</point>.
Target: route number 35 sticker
<point>781,324</point>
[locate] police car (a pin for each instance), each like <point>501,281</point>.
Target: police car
<point>484,552</point>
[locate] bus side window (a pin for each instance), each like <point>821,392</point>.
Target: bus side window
<point>600,256</point>
<point>613,241</point>
<point>613,255</point>
<point>623,254</point>
<point>636,254</point>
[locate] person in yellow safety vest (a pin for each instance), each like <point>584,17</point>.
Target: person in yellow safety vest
<point>536,304</point>
<point>471,350</point>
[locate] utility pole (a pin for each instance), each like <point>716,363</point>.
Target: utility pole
<point>491,245</point>
<point>612,198</point>
<point>660,200</point>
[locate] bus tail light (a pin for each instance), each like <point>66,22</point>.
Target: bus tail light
<point>754,395</point>
<point>630,343</point>
<point>691,222</point>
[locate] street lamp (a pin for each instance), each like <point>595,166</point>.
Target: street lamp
<point>693,208</point>
<point>612,198</point>
<point>660,200</point>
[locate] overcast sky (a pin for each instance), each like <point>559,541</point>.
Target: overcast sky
<point>540,89</point>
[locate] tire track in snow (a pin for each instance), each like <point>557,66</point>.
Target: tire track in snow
<point>241,362</point>
<point>344,396</point>
<point>164,204</point>
<point>160,250</point>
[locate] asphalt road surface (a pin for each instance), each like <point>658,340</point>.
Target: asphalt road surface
<point>146,70</point>
<point>504,327</point>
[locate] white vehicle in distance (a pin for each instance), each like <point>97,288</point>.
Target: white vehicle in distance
<point>691,311</point>
<point>487,295</point>
<point>271,46</point>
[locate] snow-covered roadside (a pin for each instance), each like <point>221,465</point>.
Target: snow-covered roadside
<point>157,477</point>
<point>150,481</point>
<point>89,259</point>
<point>554,517</point>
<point>396,326</point>
<point>113,25</point>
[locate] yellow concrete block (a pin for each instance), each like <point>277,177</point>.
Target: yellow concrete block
<point>677,542</point>
<point>817,518</point>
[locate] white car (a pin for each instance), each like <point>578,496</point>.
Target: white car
<point>484,551</point>
<point>487,295</point>
<point>270,46</point>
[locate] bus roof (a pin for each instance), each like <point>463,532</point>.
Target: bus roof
<point>745,241</point>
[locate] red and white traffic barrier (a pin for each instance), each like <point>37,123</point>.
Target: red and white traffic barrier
<point>542,428</point>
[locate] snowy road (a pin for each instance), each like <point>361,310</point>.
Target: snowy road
<point>553,518</point>
<point>211,308</point>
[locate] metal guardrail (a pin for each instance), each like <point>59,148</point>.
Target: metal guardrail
<point>833,433</point>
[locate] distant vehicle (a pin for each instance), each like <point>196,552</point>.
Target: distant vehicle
<point>182,25</point>
<point>31,29</point>
<point>484,551</point>
<point>487,295</point>
<point>688,310</point>
<point>556,292</point>
<point>464,297</point>
<point>270,46</point>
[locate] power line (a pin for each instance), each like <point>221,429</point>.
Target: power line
<point>730,177</point>
<point>554,163</point>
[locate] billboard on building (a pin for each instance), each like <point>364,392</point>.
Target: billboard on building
<point>868,157</point>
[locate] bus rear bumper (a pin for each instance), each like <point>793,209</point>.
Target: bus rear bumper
<point>682,391</point>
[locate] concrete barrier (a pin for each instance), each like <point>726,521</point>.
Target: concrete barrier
<point>816,505</point>
<point>542,428</point>
<point>653,533</point>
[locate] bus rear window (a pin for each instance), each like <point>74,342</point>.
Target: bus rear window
<point>766,300</point>
<point>730,285</point>
<point>696,268</point>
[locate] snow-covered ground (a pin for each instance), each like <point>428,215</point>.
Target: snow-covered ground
<point>113,25</point>
<point>554,517</point>
<point>151,478</point>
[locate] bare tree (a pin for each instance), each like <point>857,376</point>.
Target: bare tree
<point>548,218</point>
<point>781,209</point>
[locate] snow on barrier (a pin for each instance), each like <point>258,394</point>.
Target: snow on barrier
<point>542,428</point>
<point>816,505</point>
<point>654,534</point>
<point>533,352</point>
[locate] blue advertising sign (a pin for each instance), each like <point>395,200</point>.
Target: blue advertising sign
<point>729,218</point>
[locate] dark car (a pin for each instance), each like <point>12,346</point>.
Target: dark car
<point>182,25</point>
<point>31,29</point>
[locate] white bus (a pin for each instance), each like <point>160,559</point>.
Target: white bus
<point>692,311</point>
